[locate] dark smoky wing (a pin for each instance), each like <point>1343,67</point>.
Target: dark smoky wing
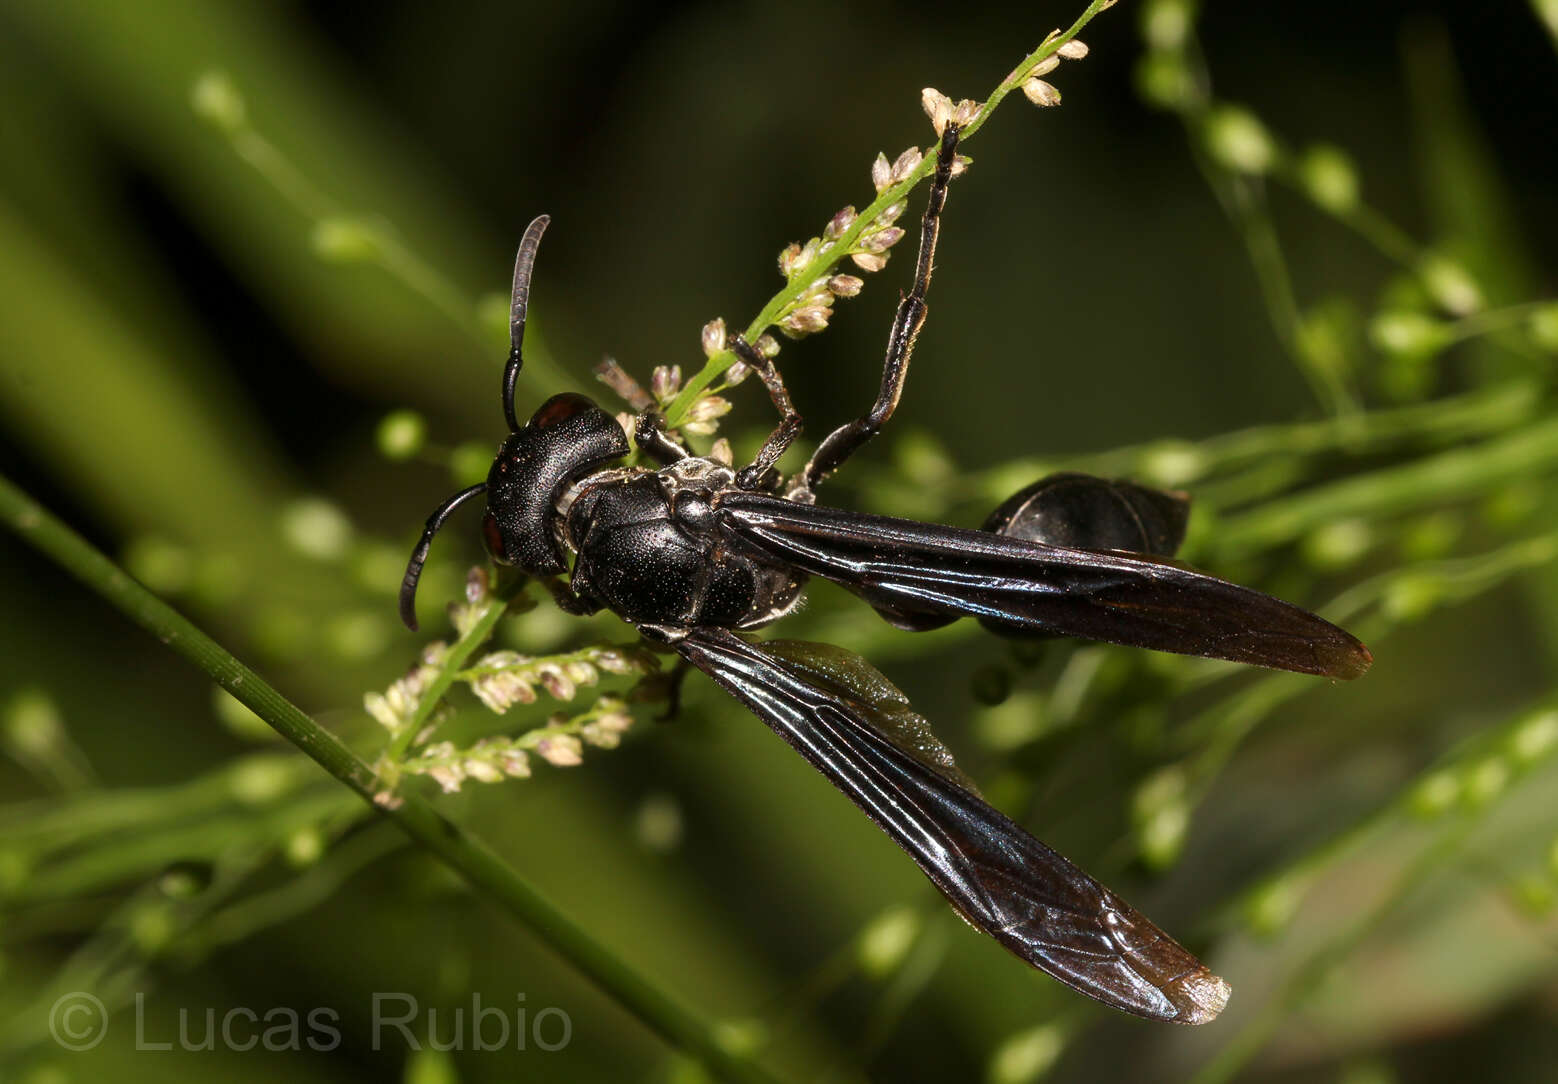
<point>997,876</point>
<point>829,668</point>
<point>900,565</point>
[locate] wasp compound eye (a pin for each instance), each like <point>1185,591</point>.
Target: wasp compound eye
<point>560,408</point>
<point>493,537</point>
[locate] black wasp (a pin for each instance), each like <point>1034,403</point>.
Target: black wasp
<point>693,553</point>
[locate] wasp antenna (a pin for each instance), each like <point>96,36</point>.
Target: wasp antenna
<point>524,260</point>
<point>408,586</point>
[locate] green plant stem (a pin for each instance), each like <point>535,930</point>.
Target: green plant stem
<point>1455,830</point>
<point>1243,199</point>
<point>289,181</point>
<point>1491,321</point>
<point>1547,12</point>
<point>383,245</point>
<point>478,633</point>
<point>387,251</point>
<point>112,961</point>
<point>1497,409</point>
<point>1215,734</point>
<point>242,919</point>
<point>1309,976</point>
<point>481,867</point>
<point>1458,474</point>
<point>115,861</point>
<point>1390,240</point>
<point>1298,875</point>
<point>802,278</point>
<point>41,826</point>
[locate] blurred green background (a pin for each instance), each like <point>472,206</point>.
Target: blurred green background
<point>203,326</point>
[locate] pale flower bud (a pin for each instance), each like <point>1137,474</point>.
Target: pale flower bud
<point>937,106</point>
<point>703,415</point>
<point>714,336</point>
<point>806,320</point>
<point>708,408</point>
<point>840,222</point>
<point>600,737</point>
<point>561,750</point>
<point>1040,93</point>
<point>882,240</point>
<point>789,259</point>
<point>889,214</point>
<point>482,771</point>
<point>665,381</point>
<point>447,776</point>
<point>881,172</point>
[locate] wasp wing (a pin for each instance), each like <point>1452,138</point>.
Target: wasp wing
<point>997,876</point>
<point>903,566</point>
